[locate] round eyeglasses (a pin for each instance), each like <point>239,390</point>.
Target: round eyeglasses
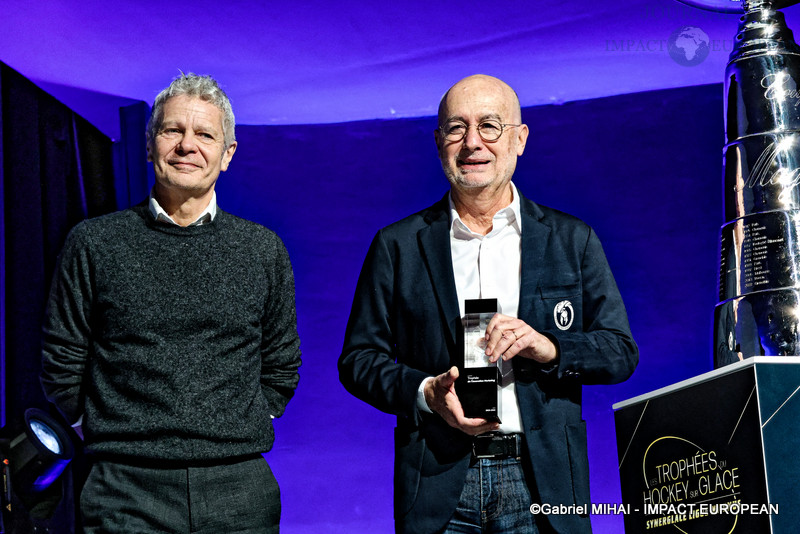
<point>488,130</point>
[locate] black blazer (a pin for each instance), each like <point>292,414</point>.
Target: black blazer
<point>402,329</point>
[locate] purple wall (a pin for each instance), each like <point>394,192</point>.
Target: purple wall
<point>643,169</point>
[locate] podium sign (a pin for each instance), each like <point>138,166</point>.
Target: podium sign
<point>718,453</point>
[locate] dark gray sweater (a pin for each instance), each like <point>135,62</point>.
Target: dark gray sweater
<point>175,343</point>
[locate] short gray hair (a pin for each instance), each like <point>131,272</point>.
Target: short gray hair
<point>203,87</point>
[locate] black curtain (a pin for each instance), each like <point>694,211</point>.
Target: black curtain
<point>134,176</point>
<point>55,170</point>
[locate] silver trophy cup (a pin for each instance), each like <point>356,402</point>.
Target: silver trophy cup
<point>759,282</point>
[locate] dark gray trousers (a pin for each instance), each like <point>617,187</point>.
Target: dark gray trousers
<point>241,497</point>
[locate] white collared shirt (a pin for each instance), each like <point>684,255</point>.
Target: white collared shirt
<point>205,217</point>
<point>488,266</point>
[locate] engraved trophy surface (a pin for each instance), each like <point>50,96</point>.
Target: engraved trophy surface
<point>759,280</point>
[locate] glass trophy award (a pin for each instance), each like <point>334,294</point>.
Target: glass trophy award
<point>478,377</point>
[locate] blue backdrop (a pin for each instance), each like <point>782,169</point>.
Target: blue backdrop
<point>643,169</point>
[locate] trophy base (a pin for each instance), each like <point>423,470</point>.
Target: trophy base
<point>766,323</point>
<point>477,391</point>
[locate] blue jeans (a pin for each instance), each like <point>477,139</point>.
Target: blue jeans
<point>495,499</point>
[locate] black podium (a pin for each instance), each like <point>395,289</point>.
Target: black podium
<point>718,453</point>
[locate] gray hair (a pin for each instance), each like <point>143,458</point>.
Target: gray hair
<point>203,87</point>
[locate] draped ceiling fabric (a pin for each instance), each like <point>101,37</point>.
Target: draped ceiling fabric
<point>322,61</point>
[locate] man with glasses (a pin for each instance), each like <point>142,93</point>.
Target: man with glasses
<point>560,324</point>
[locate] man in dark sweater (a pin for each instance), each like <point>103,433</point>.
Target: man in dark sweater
<point>170,336</point>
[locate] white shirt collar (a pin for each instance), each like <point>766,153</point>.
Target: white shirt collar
<point>205,217</point>
<point>508,216</point>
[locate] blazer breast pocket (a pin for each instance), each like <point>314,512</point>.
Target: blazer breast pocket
<point>561,307</point>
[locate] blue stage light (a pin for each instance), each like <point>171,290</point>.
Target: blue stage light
<point>39,455</point>
<point>47,436</point>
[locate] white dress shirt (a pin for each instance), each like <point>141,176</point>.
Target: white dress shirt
<point>484,267</point>
<point>206,216</point>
